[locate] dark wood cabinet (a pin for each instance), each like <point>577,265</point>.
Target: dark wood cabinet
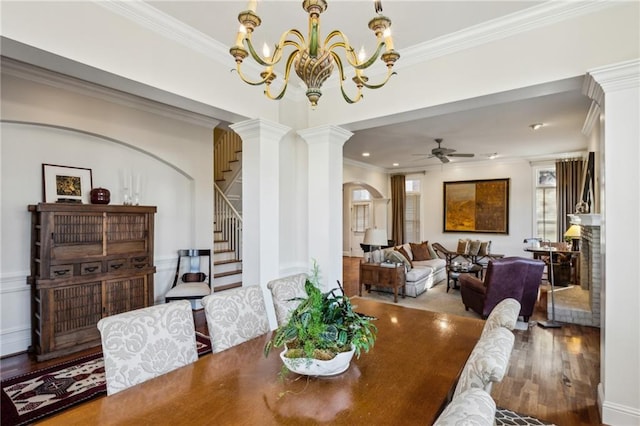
<point>87,262</point>
<point>373,274</point>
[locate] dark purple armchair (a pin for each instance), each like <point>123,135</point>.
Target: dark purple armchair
<point>510,277</point>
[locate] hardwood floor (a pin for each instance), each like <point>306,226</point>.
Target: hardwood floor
<point>553,373</point>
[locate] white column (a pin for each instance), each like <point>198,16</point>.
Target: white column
<point>325,200</point>
<point>260,203</point>
<point>618,90</point>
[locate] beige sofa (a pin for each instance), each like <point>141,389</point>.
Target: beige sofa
<point>420,274</point>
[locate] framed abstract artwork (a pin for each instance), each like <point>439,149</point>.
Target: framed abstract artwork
<point>476,206</point>
<point>64,184</point>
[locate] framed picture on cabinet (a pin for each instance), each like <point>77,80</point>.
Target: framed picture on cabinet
<point>64,184</point>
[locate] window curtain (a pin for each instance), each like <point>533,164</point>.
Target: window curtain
<point>568,191</point>
<point>397,208</point>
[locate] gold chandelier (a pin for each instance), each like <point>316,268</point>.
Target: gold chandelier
<point>312,61</point>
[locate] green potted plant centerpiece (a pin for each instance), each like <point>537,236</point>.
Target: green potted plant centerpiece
<point>323,333</point>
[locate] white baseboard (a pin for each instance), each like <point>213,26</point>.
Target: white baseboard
<point>616,414</point>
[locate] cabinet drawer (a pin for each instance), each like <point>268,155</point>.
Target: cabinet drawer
<point>140,262</point>
<point>91,268</point>
<point>61,271</point>
<point>117,265</point>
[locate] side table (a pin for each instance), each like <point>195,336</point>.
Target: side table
<point>382,276</point>
<point>454,271</point>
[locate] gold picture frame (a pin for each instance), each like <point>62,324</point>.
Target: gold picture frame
<point>476,206</point>
<point>65,184</point>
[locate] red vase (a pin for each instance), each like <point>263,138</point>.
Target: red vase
<point>100,196</point>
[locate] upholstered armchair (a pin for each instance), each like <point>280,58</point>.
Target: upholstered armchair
<point>509,277</point>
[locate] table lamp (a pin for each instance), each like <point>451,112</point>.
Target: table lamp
<point>375,238</point>
<point>574,234</point>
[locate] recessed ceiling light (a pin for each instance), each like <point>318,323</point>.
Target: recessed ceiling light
<point>492,156</point>
<point>395,164</point>
<point>365,154</point>
<point>536,126</point>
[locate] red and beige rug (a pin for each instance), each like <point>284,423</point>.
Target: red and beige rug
<point>38,394</point>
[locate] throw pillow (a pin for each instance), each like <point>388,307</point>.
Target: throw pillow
<point>474,247</point>
<point>403,252</point>
<point>463,247</point>
<point>396,257</point>
<point>420,251</point>
<point>485,248</point>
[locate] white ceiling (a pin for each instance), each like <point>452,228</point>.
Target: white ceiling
<point>495,124</point>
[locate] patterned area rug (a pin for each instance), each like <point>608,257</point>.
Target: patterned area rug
<point>38,394</point>
<point>506,417</point>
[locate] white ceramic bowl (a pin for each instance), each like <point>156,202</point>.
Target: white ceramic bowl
<point>316,367</point>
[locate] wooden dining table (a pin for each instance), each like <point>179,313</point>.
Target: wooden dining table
<point>406,378</point>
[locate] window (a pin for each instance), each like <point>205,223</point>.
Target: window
<point>412,210</point>
<point>546,208</point>
<point>360,219</point>
<point>360,195</point>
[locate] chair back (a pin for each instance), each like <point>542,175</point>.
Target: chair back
<point>235,316</point>
<point>145,343</point>
<point>193,275</point>
<point>284,291</point>
<point>505,314</point>
<point>488,361</point>
<point>531,286</point>
<point>472,407</point>
<point>504,279</point>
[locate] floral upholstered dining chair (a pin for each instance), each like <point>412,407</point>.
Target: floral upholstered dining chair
<point>145,343</point>
<point>235,316</point>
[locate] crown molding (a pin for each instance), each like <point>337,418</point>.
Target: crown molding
<point>171,28</point>
<point>545,14</point>
<point>60,81</point>
<point>531,18</point>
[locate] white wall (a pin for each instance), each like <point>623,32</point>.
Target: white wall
<point>57,126</point>
<point>520,200</point>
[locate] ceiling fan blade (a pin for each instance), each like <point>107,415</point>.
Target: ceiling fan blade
<point>461,155</point>
<point>444,159</point>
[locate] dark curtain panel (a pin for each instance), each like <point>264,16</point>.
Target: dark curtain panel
<point>397,208</point>
<point>568,191</point>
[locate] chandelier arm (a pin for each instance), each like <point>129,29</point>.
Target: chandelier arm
<point>277,54</point>
<point>341,77</point>
<point>379,85</point>
<point>350,52</point>
<point>287,72</point>
<point>246,80</point>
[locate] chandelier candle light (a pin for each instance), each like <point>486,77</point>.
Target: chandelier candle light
<point>314,62</point>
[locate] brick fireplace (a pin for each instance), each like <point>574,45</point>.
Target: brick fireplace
<point>581,304</point>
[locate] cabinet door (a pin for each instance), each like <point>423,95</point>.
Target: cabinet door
<point>127,233</point>
<point>125,294</point>
<point>72,314</point>
<point>75,235</point>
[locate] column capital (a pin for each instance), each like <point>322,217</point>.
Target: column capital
<point>260,127</point>
<point>323,133</point>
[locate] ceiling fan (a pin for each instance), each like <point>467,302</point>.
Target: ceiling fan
<point>443,153</point>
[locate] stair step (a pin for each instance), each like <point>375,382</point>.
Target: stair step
<point>227,273</point>
<point>227,286</point>
<point>231,265</point>
<point>225,278</point>
<point>223,255</point>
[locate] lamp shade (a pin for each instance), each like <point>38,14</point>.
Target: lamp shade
<point>573,232</point>
<point>375,237</point>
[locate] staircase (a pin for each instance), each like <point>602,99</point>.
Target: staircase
<point>227,235</point>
